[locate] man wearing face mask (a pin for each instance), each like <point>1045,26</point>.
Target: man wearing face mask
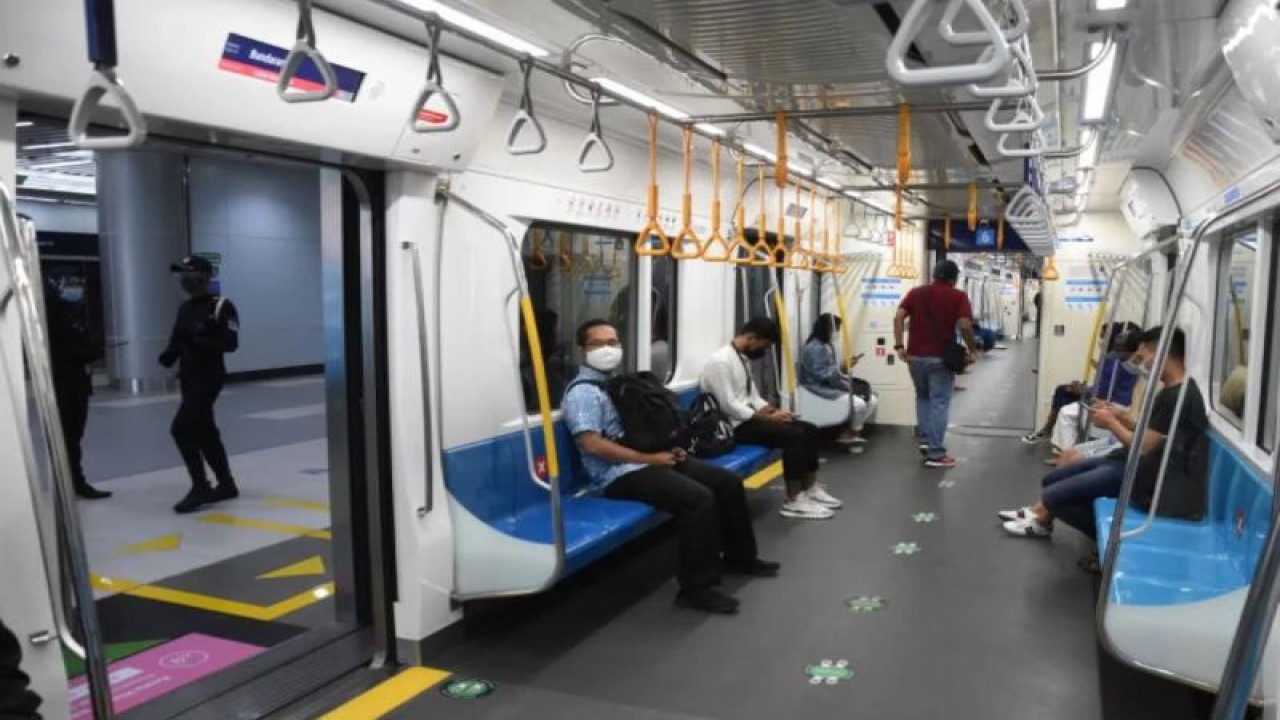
<point>708,502</point>
<point>727,376</point>
<point>207,328</point>
<point>72,348</point>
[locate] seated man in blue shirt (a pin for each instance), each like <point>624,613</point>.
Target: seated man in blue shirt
<point>709,503</point>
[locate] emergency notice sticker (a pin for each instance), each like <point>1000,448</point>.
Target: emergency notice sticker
<point>263,61</point>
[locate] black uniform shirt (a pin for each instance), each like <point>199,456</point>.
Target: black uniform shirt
<point>206,329</point>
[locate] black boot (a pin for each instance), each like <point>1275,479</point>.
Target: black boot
<point>85,491</point>
<point>226,490</point>
<point>199,496</point>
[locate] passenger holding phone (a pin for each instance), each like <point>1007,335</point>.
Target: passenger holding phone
<point>821,374</point>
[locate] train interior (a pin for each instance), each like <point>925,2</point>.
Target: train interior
<point>414,204</point>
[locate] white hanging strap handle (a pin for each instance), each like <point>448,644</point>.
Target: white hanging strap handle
<point>1035,147</point>
<point>1027,117</point>
<point>1021,80</point>
<point>595,139</point>
<point>1021,22</point>
<point>525,117</point>
<point>420,120</point>
<point>304,49</point>
<point>980,71</point>
<point>100,26</point>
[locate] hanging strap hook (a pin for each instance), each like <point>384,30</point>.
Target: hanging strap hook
<point>595,139</point>
<point>431,121</point>
<point>100,25</point>
<point>526,117</point>
<point>304,49</point>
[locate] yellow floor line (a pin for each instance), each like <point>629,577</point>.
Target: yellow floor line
<point>764,476</point>
<point>297,504</point>
<point>212,603</point>
<point>388,695</point>
<point>266,525</point>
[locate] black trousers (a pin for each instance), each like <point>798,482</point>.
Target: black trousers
<point>73,413</point>
<point>798,441</point>
<point>17,701</point>
<point>710,508</point>
<point>196,432</point>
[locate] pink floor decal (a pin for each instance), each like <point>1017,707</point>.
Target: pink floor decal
<point>161,670</point>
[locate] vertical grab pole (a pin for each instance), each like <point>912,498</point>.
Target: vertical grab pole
<point>788,361</point>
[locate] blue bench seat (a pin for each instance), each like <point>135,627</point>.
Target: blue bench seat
<point>1180,561</point>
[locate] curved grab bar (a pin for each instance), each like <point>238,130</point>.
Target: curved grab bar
<point>594,139</point>
<point>525,117</point>
<point>420,304</point>
<point>304,48</point>
<point>1020,82</point>
<point>1164,467</point>
<point>22,263</point>
<point>1108,46</point>
<point>1021,22</point>
<point>100,25</point>
<point>526,429</point>
<point>1034,148</point>
<point>1027,116</point>
<point>433,87</point>
<point>980,71</point>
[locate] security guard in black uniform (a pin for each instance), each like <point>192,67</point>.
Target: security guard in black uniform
<point>72,347</point>
<point>206,329</point>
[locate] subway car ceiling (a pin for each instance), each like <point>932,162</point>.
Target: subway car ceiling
<point>1108,94</point>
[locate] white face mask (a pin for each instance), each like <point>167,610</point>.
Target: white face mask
<point>605,359</point>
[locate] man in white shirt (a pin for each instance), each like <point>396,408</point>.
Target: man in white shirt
<point>727,377</point>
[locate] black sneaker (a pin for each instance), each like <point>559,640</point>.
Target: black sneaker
<point>196,499</point>
<point>707,600</point>
<point>85,491</point>
<point>226,491</point>
<point>754,567</point>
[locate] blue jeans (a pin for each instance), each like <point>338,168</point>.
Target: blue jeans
<point>934,384</point>
<point>1069,491</point>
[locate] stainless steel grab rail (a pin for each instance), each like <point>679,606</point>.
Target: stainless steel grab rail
<point>424,368</point>
<point>19,255</point>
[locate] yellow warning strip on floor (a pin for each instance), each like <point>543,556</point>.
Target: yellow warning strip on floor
<point>764,476</point>
<point>388,695</point>
<point>297,504</point>
<point>266,526</point>
<point>213,603</point>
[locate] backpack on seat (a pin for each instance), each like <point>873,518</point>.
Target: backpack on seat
<point>650,415</point>
<point>710,433</point>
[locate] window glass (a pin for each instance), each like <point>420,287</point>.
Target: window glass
<point>575,274</point>
<point>1235,299</point>
<point>662,314</point>
<point>1270,399</point>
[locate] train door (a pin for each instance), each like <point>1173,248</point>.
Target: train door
<point>279,585</point>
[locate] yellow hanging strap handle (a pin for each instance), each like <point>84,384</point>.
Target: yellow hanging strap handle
<point>762,233</point>
<point>1090,362</point>
<point>780,174</point>
<point>564,241</point>
<point>652,228</point>
<point>798,260</point>
<point>784,332</point>
<point>539,259</point>
<point>532,338</point>
<point>838,262</point>
<point>904,160</point>
<point>740,252</point>
<point>781,255</point>
<point>846,331</point>
<point>973,206</point>
<point>716,239</point>
<point>822,261</point>
<point>1000,234</point>
<point>1050,273</point>
<point>946,234</point>
<point>686,234</point>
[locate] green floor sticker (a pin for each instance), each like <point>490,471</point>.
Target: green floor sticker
<point>866,604</point>
<point>946,483</point>
<point>924,517</point>
<point>468,688</point>
<point>112,651</point>
<point>828,672</point>
<point>906,548</point>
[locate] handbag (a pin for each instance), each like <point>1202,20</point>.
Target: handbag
<point>955,357</point>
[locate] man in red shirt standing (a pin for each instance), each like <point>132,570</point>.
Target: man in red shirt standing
<point>936,311</point>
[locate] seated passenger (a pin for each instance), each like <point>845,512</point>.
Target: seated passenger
<point>821,374</point>
<point>1235,390</point>
<point>1070,490</point>
<point>756,422</point>
<point>1115,382</point>
<point>709,503</point>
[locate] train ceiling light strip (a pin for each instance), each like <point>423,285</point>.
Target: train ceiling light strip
<point>479,27</point>
<point>1097,86</point>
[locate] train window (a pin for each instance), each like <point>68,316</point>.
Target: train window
<point>1267,436</point>
<point>575,274</point>
<point>662,309</point>
<point>1231,344</point>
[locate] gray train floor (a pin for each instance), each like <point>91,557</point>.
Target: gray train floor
<point>975,625</point>
<point>1000,390</point>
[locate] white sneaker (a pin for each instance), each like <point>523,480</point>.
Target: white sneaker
<point>1028,527</point>
<point>802,508</point>
<point>819,495</point>
<point>1018,514</point>
<point>859,440</point>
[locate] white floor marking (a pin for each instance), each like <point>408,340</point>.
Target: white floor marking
<point>290,413</point>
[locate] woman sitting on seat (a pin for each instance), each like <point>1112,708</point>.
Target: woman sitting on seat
<point>821,374</point>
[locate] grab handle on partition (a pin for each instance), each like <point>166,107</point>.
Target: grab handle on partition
<point>784,331</point>
<point>595,139</point>
<point>1021,21</point>
<point>980,71</point>
<point>420,305</point>
<point>1027,117</point>
<point>652,228</point>
<point>304,49</point>
<point>1034,148</point>
<point>100,25</point>
<point>686,233</point>
<point>525,117</point>
<point>422,120</point>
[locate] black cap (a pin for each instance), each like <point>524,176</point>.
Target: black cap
<point>946,271</point>
<point>192,263</point>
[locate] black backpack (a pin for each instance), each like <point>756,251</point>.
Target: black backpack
<point>650,415</point>
<point>710,433</point>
